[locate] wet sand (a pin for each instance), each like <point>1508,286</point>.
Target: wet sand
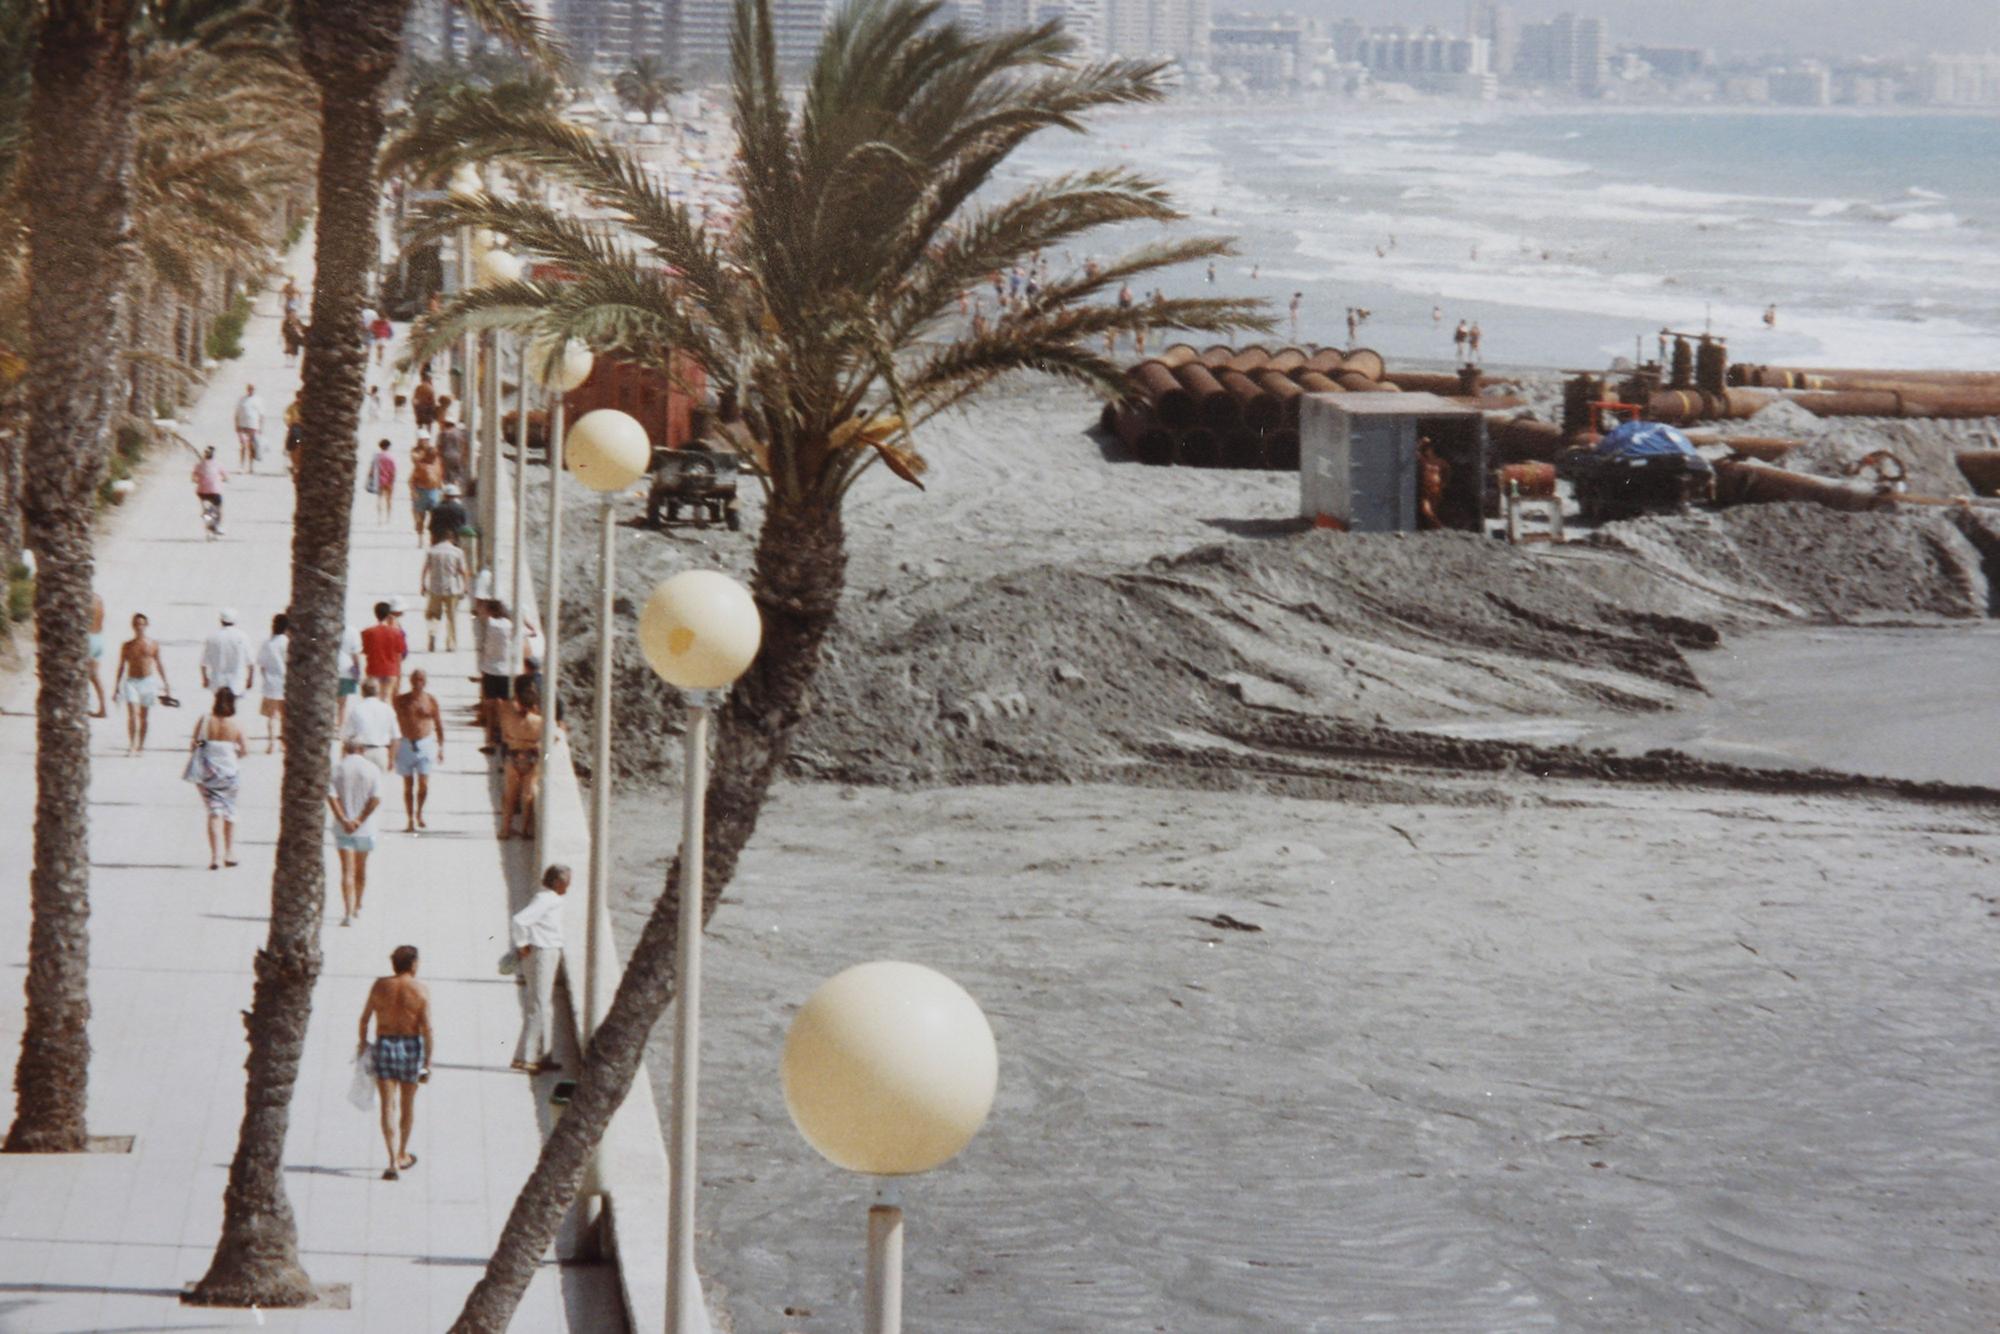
<point>1587,1058</point>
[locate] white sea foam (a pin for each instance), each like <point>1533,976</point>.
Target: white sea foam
<point>1926,222</point>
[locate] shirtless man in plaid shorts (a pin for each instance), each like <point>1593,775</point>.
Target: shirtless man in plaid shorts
<point>401,1008</point>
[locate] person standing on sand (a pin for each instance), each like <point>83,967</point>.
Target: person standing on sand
<point>353,797</point>
<point>538,940</point>
<point>404,1046</point>
<point>1472,342</point>
<point>419,748</point>
<point>1298,299</point>
<point>1458,338</point>
<point>1771,316</point>
<point>442,583</point>
<point>225,656</point>
<point>249,423</point>
<point>271,665</point>
<point>141,682</point>
<point>97,652</point>
<point>217,745</point>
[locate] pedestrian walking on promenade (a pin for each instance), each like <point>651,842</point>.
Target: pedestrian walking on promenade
<point>443,583</point>
<point>353,797</point>
<point>426,482</point>
<point>271,670</point>
<point>420,746</point>
<point>249,425</point>
<point>381,331</point>
<point>209,479</point>
<point>382,481</point>
<point>538,942</point>
<point>494,642</point>
<point>383,648</point>
<point>294,334</point>
<point>450,445</point>
<point>225,656</point>
<point>371,724</point>
<point>141,681</point>
<point>97,653</point>
<point>348,660</point>
<point>423,401</point>
<point>404,1047</point>
<point>521,736</point>
<point>212,755</point>
<point>449,517</point>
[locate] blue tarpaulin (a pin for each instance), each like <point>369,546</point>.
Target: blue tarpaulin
<point>1634,440</point>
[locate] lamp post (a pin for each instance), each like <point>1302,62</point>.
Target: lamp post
<point>500,267</point>
<point>699,630</point>
<point>560,371</point>
<point>889,1069</point>
<point>467,185</point>
<point>607,451</point>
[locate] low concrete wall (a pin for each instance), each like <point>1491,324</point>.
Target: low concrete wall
<point>631,1169</point>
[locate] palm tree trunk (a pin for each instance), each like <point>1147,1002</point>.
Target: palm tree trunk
<point>78,185</point>
<point>801,569</point>
<point>349,49</point>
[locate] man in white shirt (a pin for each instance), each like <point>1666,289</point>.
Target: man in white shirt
<point>226,657</point>
<point>249,421</point>
<point>538,940</point>
<point>494,634</point>
<point>353,797</point>
<point>348,659</point>
<point>371,726</point>
<point>443,584</point>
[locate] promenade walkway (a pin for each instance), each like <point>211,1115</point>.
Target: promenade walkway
<point>105,1242</point>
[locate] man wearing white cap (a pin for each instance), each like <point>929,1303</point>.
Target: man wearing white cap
<point>226,659</point>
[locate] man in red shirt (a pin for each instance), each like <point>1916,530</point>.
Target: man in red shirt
<point>383,648</point>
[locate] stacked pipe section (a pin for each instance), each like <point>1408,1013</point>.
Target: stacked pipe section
<point>1227,407</point>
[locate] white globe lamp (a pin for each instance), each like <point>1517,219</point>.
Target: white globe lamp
<point>607,450</point>
<point>700,630</point>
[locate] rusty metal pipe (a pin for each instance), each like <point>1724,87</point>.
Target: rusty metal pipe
<point>1326,361</point>
<point>1363,361</point>
<point>1797,377</point>
<point>1738,482</point>
<point>1286,360</point>
<point>1259,411</point>
<point>1197,448</point>
<point>1217,355</point>
<point>1243,448</point>
<point>1524,440</point>
<point>1170,396</point>
<point>1981,468</point>
<point>1283,389</point>
<point>1179,354</point>
<point>1312,382</point>
<point>1212,404</point>
<point>1252,358</point>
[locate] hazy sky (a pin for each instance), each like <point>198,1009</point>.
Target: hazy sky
<point>1844,27</point>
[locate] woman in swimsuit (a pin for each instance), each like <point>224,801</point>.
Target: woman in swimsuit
<point>521,734</point>
<point>218,743</point>
<point>141,682</point>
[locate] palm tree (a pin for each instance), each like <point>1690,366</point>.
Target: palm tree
<point>110,156</point>
<point>645,86</point>
<point>77,179</point>
<point>349,48</point>
<point>829,314</point>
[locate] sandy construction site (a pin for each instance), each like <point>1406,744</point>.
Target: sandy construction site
<point>1355,956</point>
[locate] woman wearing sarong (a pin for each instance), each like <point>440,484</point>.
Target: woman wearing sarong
<point>218,744</point>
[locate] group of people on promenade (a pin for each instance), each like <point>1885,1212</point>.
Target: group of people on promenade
<point>389,723</point>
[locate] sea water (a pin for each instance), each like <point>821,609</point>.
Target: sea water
<point>1572,237</point>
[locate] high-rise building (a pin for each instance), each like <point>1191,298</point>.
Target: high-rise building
<point>1570,52</point>
<point>608,35</point>
<point>1501,29</point>
<point>1960,80</point>
<point>1173,29</point>
<point>704,27</point>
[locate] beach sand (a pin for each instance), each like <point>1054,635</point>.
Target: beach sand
<point>1507,1051</point>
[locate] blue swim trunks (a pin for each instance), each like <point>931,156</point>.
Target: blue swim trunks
<point>400,1057</point>
<point>347,842</point>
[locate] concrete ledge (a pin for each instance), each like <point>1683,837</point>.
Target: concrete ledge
<point>631,1175</point>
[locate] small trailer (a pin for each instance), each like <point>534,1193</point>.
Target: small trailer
<point>698,479</point>
<point>1392,463</point>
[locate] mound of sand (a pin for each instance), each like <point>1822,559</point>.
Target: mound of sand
<point>1060,673</point>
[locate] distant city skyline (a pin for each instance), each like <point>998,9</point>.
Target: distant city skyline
<point>1849,28</point>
